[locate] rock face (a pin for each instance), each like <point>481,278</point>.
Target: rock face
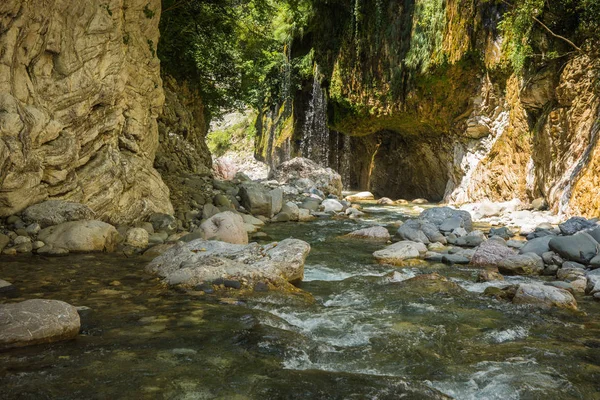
<point>80,92</point>
<point>324,179</point>
<point>37,321</point>
<point>203,261</point>
<point>81,236</point>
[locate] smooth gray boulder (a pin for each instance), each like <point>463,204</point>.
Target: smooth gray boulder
<point>332,205</point>
<point>81,236</point>
<point>310,204</point>
<point>544,296</point>
<point>205,261</point>
<point>226,227</point>
<point>452,223</point>
<point>490,253</point>
<point>580,247</point>
<point>376,233</point>
<point>396,253</point>
<point>437,216</point>
<point>502,232</point>
<point>291,209</point>
<point>575,224</point>
<point>522,264</point>
<point>256,199</point>
<point>37,321</point>
<point>54,212</point>
<point>454,259</point>
<point>593,282</point>
<point>411,230</point>
<point>538,245</point>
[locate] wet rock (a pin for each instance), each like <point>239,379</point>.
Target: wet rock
<point>332,205</point>
<point>580,247</point>
<point>54,212</point>
<point>454,259</point>
<point>432,283</point>
<point>593,282</point>
<point>361,196</point>
<point>296,169</point>
<point>291,209</point>
<point>37,321</point>
<point>451,224</point>
<point>386,201</point>
<point>354,213</point>
<point>491,253</point>
<point>544,296</point>
<point>310,204</point>
<point>507,293</point>
<point>516,244</point>
<point>396,253</point>
<point>377,233</point>
<point>49,250</point>
<point>538,246</point>
<point>10,251</point>
<point>575,224</point>
<point>81,236</point>
<point>209,210</point>
<point>522,264</point>
<point>473,239</point>
<point>137,237</point>
<point>420,201</point>
<point>157,250</point>
<point>489,275</point>
<point>539,204</point>
<point>201,261</point>
<point>226,227</point>
<point>304,215</point>
<point>6,287</point>
<point>281,217</point>
<point>503,232</point>
<point>438,215</point>
<point>163,222</point>
<point>4,241</point>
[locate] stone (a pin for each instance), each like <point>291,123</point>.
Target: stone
<point>276,196</point>
<point>21,240</point>
<point>209,210</point>
<point>256,199</point>
<point>33,229</point>
<point>539,204</point>
<point>503,232</point>
<point>220,200</point>
<point>595,233</point>
<point>451,224</point>
<point>54,212</point>
<point>227,227</point>
<point>538,245</point>
<point>291,209</point>
<point>310,204</point>
<point>324,179</point>
<point>490,253</point>
<point>594,262</point>
<point>516,244</point>
<point>6,286</point>
<point>354,213</point>
<point>155,239</point>
<point>544,296</point>
<point>201,261</point>
<point>332,205</point>
<point>81,236</point>
<point>281,217</point>
<point>472,239</point>
<point>522,264</point>
<point>575,224</point>
<point>26,247</point>
<point>38,244</point>
<point>396,253</point>
<point>420,201</point>
<point>376,233</point>
<point>360,196</point>
<point>593,282</point>
<point>580,247</point>
<point>489,275</point>
<point>37,321</point>
<point>386,201</point>
<point>304,215</point>
<point>411,231</point>
<point>454,259</point>
<point>163,222</point>
<point>249,219</point>
<point>137,237</point>
<point>4,241</point>
<point>433,283</point>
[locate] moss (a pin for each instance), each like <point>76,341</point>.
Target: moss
<point>148,12</point>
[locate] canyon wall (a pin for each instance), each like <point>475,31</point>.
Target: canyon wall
<point>80,92</point>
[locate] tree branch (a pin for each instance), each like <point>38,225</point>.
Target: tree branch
<point>555,35</point>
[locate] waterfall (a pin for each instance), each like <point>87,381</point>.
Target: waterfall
<point>315,136</point>
<point>345,162</point>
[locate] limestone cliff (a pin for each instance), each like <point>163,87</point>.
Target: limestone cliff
<point>80,91</point>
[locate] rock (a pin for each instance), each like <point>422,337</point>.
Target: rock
<point>21,240</point>
<point>396,253</point>
<point>473,239</point>
<point>354,213</point>
<point>377,233</point>
<point>411,231</point>
<point>38,244</point>
<point>276,196</point>
<point>420,201</point>
<point>81,236</point>
<point>580,247</point>
<point>503,232</point>
<point>562,285</point>
<point>539,204</point>
<point>157,250</point>
<point>437,246</point>
<point>431,284</point>
<point>551,258</point>
<point>137,237</point>
<point>594,262</point>
<point>593,282</point>
<point>256,199</point>
<point>575,224</point>
<point>386,201</point>
<point>438,215</point>
<point>163,222</point>
<point>291,209</point>
<point>281,217</point>
<point>324,179</point>
<point>331,205</point>
<point>209,210</point>
<point>490,253</point>
<point>37,321</point>
<point>310,204</point>
<point>4,241</point>
<point>304,215</point>
<point>572,265</point>
<point>201,261</point>
<point>220,200</point>
<point>522,264</point>
<point>454,259</point>
<point>489,275</point>
<point>360,196</point>
<point>452,224</point>
<point>6,287</point>
<point>249,219</point>
<point>24,247</point>
<point>52,251</point>
<point>33,229</point>
<point>538,245</point>
<point>54,212</point>
<point>226,227</point>
<point>544,296</point>
<point>516,244</point>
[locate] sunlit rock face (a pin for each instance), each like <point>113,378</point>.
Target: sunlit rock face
<point>80,91</point>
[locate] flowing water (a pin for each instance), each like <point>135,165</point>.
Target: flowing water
<point>315,135</point>
<point>367,332</point>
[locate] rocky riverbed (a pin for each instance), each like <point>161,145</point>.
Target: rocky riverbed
<point>287,283</point>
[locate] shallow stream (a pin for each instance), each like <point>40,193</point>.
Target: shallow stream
<point>368,334</point>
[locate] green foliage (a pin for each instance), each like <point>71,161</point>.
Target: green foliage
<point>151,47</point>
<point>427,35</point>
<point>235,138</point>
<point>106,7</point>
<point>148,12</point>
<point>516,27</point>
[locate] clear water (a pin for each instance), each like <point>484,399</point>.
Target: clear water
<point>366,333</point>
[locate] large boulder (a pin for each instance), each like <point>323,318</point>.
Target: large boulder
<point>376,233</point>
<point>420,231</point>
<point>580,247</point>
<point>439,215</point>
<point>396,253</point>
<point>544,296</point>
<point>81,236</point>
<point>325,179</point>
<point>490,253</point>
<point>205,261</point>
<point>137,237</point>
<point>360,196</point>
<point>538,245</point>
<point>332,205</point>
<point>260,200</point>
<point>226,227</point>
<point>575,224</point>
<point>54,212</point>
<point>37,321</point>
<point>522,264</point>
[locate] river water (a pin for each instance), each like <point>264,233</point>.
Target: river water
<point>367,333</point>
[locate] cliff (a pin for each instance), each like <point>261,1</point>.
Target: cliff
<point>80,92</point>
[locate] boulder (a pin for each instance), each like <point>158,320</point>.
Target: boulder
<point>595,233</point>
<point>256,199</point>
<point>503,232</point>
<point>325,179</point>
<point>37,321</point>
<point>360,196</point>
<point>472,239</point>
<point>438,215</point>
<point>249,219</point>
<point>538,245</point>
<point>411,231</point>
<point>454,259</point>
<point>203,261</point>
<point>575,224</point>
<point>226,227</point>
<point>4,241</point>
<point>291,209</point>
<point>489,275</point>
<point>580,247</point>
<point>137,237</point>
<point>386,201</point>
<point>332,205</point>
<point>522,264</point>
<point>163,222</point>
<point>209,210</point>
<point>54,212</point>
<point>81,236</point>
<point>451,224</point>
<point>544,296</point>
<point>276,196</point>
<point>396,253</point>
<point>310,204</point>
<point>593,282</point>
<point>377,233</point>
<point>490,253</point>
